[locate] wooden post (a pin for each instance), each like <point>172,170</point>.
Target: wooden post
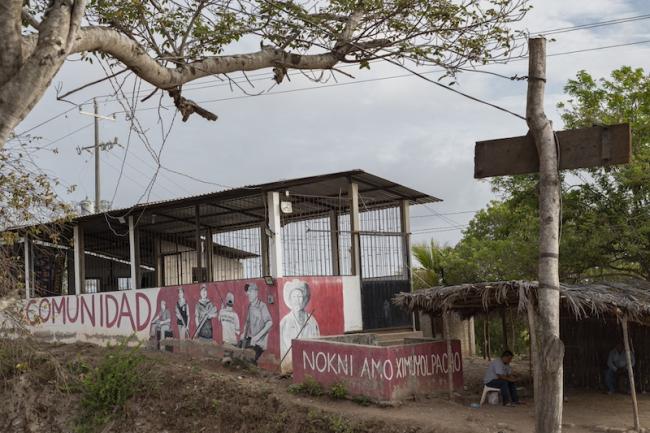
<point>548,374</point>
<point>450,355</point>
<point>486,349</point>
<point>630,374</point>
<point>504,329</point>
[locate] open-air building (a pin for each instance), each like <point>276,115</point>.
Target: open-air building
<point>341,240</point>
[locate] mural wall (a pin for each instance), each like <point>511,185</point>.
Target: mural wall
<point>244,314</point>
<point>383,373</point>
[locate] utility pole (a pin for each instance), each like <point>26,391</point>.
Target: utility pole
<point>547,365</point>
<point>547,152</point>
<point>97,176</point>
<point>97,148</point>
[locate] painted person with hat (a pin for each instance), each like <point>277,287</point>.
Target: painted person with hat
<point>204,312</point>
<point>297,323</point>
<point>229,321</point>
<point>258,322</point>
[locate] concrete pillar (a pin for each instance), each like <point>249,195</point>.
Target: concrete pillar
<point>27,247</point>
<point>405,224</point>
<point>355,227</point>
<point>158,264</point>
<point>209,258</point>
<point>134,253</point>
<point>334,243</point>
<point>276,269</point>
<point>79,260</point>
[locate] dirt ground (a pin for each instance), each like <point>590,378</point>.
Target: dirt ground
<point>186,394</point>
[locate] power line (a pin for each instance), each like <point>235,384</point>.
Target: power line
<point>199,86</point>
<point>369,80</point>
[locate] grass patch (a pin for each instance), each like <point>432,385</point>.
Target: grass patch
<point>362,400</point>
<point>106,388</point>
<point>308,387</point>
<point>338,391</point>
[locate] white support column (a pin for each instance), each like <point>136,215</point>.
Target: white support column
<point>28,266</point>
<point>275,238</point>
<point>355,227</point>
<point>79,262</point>
<point>334,242</point>
<point>134,254</point>
<point>405,224</point>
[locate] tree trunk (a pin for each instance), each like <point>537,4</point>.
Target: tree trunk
<point>548,352</point>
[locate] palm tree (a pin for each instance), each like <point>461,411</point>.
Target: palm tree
<point>432,259</point>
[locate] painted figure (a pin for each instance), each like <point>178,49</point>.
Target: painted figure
<point>182,315</point>
<point>204,312</point>
<point>258,323</point>
<point>297,323</point>
<point>229,321</point>
<point>161,324</point>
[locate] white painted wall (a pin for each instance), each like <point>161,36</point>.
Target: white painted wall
<point>352,320</point>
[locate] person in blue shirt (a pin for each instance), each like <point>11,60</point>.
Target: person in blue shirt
<point>616,366</point>
<point>499,375</point>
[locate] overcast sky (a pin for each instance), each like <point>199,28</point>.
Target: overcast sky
<point>404,129</point>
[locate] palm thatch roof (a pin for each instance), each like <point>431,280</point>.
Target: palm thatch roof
<point>602,299</point>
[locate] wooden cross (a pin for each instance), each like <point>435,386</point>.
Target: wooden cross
<point>578,148</point>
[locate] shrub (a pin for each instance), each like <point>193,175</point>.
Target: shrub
<point>338,424</point>
<point>106,388</point>
<point>361,400</point>
<point>308,387</point>
<point>338,391</point>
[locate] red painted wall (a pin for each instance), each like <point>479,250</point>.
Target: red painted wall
<point>322,309</point>
<point>381,373</point>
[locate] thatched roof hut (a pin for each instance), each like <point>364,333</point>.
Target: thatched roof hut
<point>590,319</point>
<point>595,300</point>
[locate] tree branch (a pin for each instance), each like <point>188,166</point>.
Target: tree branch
<point>133,56</point>
<point>29,18</point>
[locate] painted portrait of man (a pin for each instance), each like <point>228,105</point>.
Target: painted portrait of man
<point>258,322</point>
<point>204,312</point>
<point>297,323</point>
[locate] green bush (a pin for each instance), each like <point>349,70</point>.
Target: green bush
<point>362,400</point>
<point>338,424</point>
<point>338,391</point>
<point>308,387</point>
<point>106,388</point>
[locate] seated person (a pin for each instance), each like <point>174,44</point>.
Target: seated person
<point>616,367</point>
<point>499,375</point>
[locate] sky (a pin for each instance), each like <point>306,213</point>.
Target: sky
<point>404,129</point>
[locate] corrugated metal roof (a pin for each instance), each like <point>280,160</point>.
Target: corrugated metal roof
<point>317,184</point>
<point>376,191</point>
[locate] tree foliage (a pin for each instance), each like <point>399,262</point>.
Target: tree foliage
<point>171,42</point>
<point>605,224</point>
